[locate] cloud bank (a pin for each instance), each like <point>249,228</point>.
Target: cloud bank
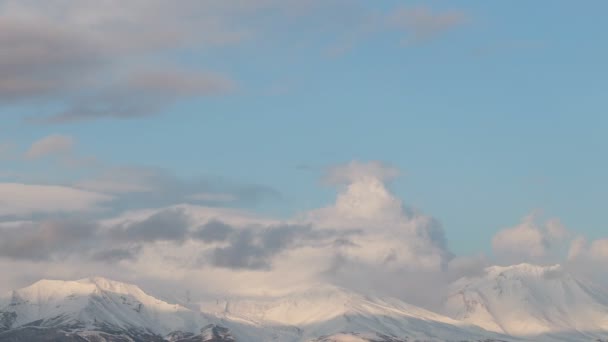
<point>368,239</point>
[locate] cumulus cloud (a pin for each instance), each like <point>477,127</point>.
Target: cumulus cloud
<point>51,145</point>
<point>355,171</point>
<point>581,249</point>
<point>529,239</point>
<point>396,235</point>
<point>367,239</point>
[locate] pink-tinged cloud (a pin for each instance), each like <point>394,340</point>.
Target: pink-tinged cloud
<point>51,145</point>
<point>24,199</point>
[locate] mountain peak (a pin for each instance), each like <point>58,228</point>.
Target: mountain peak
<point>528,299</point>
<point>524,269</point>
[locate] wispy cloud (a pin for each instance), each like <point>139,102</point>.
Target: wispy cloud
<point>55,144</point>
<point>25,199</point>
<point>423,23</point>
<point>107,59</point>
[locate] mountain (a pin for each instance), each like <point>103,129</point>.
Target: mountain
<point>94,309</point>
<point>98,310</point>
<point>321,312</point>
<point>540,302</point>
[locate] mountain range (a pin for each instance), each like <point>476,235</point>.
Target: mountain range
<point>516,303</point>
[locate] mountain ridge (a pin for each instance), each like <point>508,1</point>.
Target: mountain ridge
<point>99,309</point>
<point>530,300</point>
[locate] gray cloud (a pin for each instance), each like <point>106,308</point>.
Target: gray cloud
<point>39,241</point>
<point>214,231</point>
<point>80,56</point>
<point>140,187</point>
<point>255,248</point>
<point>167,225</point>
<point>59,239</point>
<point>114,255</point>
<point>40,59</point>
<point>143,94</point>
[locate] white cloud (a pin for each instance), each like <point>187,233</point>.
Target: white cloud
<point>24,199</point>
<point>581,249</point>
<point>529,239</point>
<point>393,235</point>
<point>367,228</point>
<point>356,171</point>
<point>51,145</point>
<point>577,247</point>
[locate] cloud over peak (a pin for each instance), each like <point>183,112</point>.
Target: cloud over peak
<point>529,239</point>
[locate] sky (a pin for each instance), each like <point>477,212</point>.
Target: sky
<point>419,136</point>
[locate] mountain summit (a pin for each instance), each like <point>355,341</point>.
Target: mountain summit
<point>99,309</point>
<point>95,306</point>
<point>516,303</point>
<point>531,300</point>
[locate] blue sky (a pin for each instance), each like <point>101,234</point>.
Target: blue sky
<point>495,110</point>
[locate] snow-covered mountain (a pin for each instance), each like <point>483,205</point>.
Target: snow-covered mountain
<point>325,310</point>
<point>94,306</point>
<point>98,309</point>
<point>541,302</point>
<point>517,303</point>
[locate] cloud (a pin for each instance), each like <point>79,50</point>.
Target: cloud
<point>166,225</point>
<point>18,199</point>
<point>356,171</point>
<point>366,239</point>
<point>143,94</point>
<point>141,187</point>
<point>41,58</point>
<point>88,67</point>
<point>255,249</point>
<point>115,255</point>
<point>396,235</point>
<point>422,23</point>
<point>581,249</point>
<point>39,241</point>
<point>529,239</point>
<point>213,197</point>
<point>51,145</point>
<point>110,60</point>
<point>214,231</point>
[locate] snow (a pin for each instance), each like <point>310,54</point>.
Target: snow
<point>527,302</point>
<point>530,300</point>
<point>95,300</point>
<point>324,310</point>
